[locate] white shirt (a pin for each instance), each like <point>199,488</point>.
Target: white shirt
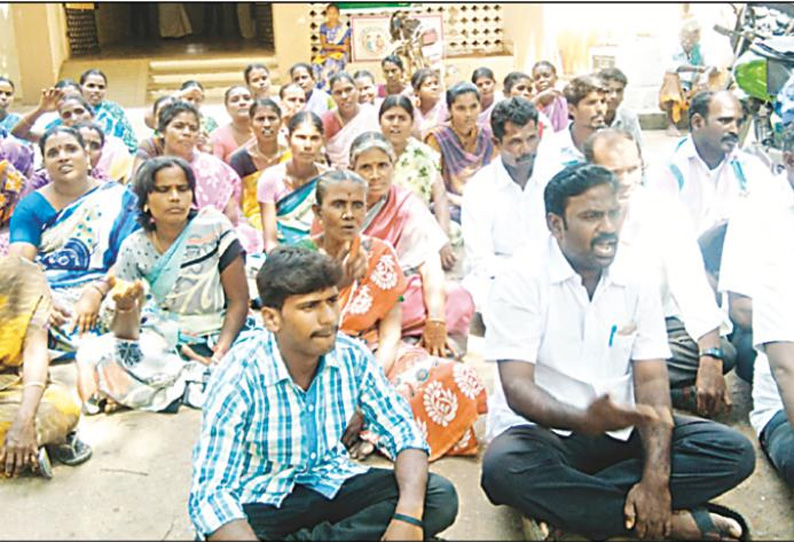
<point>581,348</point>
<point>498,217</point>
<point>562,152</point>
<point>773,303</point>
<point>657,240</point>
<point>709,195</point>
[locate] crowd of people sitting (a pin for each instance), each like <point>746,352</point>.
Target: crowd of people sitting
<point>293,274</point>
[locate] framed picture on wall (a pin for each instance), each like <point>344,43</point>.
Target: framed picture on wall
<point>370,37</point>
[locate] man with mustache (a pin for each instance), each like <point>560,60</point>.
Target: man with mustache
<point>503,203</point>
<point>658,240</point>
<point>587,107</point>
<point>583,435</point>
<point>270,462</point>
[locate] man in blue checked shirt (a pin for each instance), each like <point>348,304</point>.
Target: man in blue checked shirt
<point>270,462</point>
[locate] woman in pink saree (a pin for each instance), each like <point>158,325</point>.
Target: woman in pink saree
<point>348,120</point>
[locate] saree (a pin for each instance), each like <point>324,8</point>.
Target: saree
<point>216,184</point>
<point>12,184</point>
<point>319,101</point>
<point>557,113</point>
<point>484,118</point>
<point>326,63</point>
<point>243,164</point>
<point>185,305</point>
<point>294,213</point>
<point>25,304</point>
<point>403,221</point>
<point>340,137</point>
<point>115,160</point>
<point>446,396</point>
<point>426,123</point>
<point>416,169</point>
<point>76,245</point>
<point>457,164</point>
<point>110,117</point>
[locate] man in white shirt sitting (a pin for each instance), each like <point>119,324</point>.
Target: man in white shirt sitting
<point>503,203</point>
<point>580,350</point>
<point>657,238</point>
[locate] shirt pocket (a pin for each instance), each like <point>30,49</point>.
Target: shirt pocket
<point>619,353</point>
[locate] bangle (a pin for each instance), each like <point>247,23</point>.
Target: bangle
<point>409,519</point>
<point>34,384</point>
<point>96,287</point>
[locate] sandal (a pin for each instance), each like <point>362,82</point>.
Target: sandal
<point>708,529</point>
<point>72,452</point>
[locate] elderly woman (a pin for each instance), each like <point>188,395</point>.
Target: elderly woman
<point>286,190</point>
<point>217,184</point>
<point>115,160</point>
<point>431,110</point>
<point>109,115</point>
<point>73,228</point>
<point>230,137</point>
<point>370,297</point>
<point>465,146</point>
<point>191,265</point>
<point>432,308</point>
<point>259,154</point>
<point>37,418</point>
<point>348,120</point>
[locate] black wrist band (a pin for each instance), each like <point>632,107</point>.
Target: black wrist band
<point>409,519</point>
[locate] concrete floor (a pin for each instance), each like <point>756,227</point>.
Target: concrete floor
<point>136,485</point>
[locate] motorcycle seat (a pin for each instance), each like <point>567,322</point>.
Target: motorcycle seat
<point>777,48</point>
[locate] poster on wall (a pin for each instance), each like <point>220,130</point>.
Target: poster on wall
<point>372,40</point>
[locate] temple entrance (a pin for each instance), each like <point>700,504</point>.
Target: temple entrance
<point>151,29</point>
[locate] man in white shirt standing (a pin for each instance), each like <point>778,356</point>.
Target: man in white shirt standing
<point>580,350</point>
<point>503,203</point>
<point>658,240</point>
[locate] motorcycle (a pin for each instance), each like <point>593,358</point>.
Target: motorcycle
<point>763,45</point>
<point>415,42</point>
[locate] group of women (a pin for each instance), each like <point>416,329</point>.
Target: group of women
<point>140,249</point>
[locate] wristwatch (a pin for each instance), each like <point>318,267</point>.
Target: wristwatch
<point>713,352</point>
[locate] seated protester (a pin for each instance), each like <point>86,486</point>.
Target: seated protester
<point>108,115</point>
<point>37,418</point>
<point>550,101</point>
<point>618,116</point>
<point>741,253</point>
<point>433,308</point>
<point>464,146</point>
<point>367,90</point>
<point>257,78</point>
<point>51,118</point>
<point>318,101</point>
<point>372,312</point>
<point>503,202</point>
<point>152,146</point>
<point>687,74</point>
<point>707,171</point>
<point>260,153</point>
<point>657,237</point>
<point>94,141</point>
<point>192,92</point>
<point>286,191</point>
<point>483,78</point>
<point>230,137</point>
<point>72,228</point>
<point>73,109</point>
<point>581,422</point>
<point>7,119</point>
<point>217,184</point>
<point>773,299</point>
<point>191,265</point>
<point>431,108</point>
<point>394,73</point>
<point>586,96</point>
<point>418,167</point>
<point>264,468</point>
<point>13,183</point>
<point>520,84</point>
<point>343,124</point>
<point>292,99</point>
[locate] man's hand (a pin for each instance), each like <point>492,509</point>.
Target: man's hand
<point>400,530</point>
<point>603,415</point>
<point>354,427</point>
<point>713,396</point>
<point>448,258</point>
<point>20,448</point>
<point>648,510</point>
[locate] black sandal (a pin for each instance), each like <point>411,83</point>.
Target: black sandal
<point>72,452</point>
<point>702,517</point>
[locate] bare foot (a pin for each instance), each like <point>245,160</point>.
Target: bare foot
<point>685,528</point>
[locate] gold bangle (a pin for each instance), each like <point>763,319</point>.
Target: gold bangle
<point>34,384</point>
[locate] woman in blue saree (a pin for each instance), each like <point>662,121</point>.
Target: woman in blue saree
<point>180,299</point>
<point>72,228</point>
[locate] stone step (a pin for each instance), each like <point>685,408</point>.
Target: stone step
<point>212,64</point>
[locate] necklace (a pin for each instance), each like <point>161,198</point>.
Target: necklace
<point>265,159</point>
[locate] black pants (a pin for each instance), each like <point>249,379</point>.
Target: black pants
<point>742,340</point>
<point>360,511</point>
<point>777,441</point>
<point>683,366</point>
<point>579,483</point>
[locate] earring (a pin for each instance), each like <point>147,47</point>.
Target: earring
<point>145,208</point>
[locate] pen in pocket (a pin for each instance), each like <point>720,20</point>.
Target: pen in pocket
<point>612,334</point>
